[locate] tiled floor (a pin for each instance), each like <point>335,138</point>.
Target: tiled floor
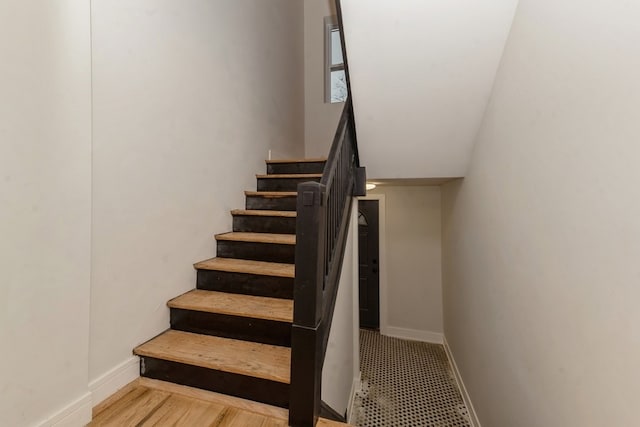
<point>406,383</point>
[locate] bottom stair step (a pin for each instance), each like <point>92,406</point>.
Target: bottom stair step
<point>146,402</point>
<point>254,371</point>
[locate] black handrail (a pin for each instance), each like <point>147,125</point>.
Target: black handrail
<point>347,74</point>
<point>323,212</point>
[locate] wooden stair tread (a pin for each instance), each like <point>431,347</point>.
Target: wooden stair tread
<point>216,398</point>
<point>253,212</point>
<point>256,360</point>
<point>191,406</point>
<point>271,193</point>
<point>225,400</point>
<point>261,268</point>
<point>280,310</point>
<point>290,175</point>
<point>239,236</point>
<point>309,160</point>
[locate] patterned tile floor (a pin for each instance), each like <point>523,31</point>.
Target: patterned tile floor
<point>406,383</point>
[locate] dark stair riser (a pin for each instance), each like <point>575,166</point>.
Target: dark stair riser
<point>235,327</point>
<point>270,252</point>
<point>244,283</point>
<point>264,224</point>
<point>271,203</point>
<point>302,167</point>
<point>282,184</point>
<point>257,389</point>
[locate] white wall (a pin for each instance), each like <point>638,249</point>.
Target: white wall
<point>542,238</point>
<point>411,263</point>
<point>422,73</point>
<point>45,208</point>
<point>321,119</point>
<point>341,370</point>
<point>189,97</point>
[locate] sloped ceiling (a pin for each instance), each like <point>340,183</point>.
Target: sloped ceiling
<point>422,72</point>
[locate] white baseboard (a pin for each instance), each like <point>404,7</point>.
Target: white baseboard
<point>112,381</point>
<point>415,335</point>
<point>356,387</point>
<point>76,414</point>
<point>473,417</point>
<point>79,412</point>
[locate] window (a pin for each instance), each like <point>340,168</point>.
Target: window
<point>362,220</point>
<point>335,79</point>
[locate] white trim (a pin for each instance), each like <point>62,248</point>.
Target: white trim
<point>112,381</point>
<point>356,387</point>
<point>382,269</point>
<point>473,416</point>
<point>77,413</point>
<point>415,335</point>
<point>355,277</point>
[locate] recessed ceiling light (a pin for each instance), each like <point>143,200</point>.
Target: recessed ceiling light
<point>370,186</point>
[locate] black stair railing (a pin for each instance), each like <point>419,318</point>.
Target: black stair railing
<point>323,212</point>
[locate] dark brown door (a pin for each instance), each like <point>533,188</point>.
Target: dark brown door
<point>368,250</point>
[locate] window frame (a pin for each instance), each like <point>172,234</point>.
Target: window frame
<point>330,25</point>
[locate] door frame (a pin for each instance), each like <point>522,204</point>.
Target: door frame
<point>382,268</point>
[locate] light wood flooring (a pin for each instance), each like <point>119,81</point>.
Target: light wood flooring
<point>147,402</point>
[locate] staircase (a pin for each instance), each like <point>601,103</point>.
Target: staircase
<point>232,334</point>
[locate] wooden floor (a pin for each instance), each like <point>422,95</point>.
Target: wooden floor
<point>147,402</point>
